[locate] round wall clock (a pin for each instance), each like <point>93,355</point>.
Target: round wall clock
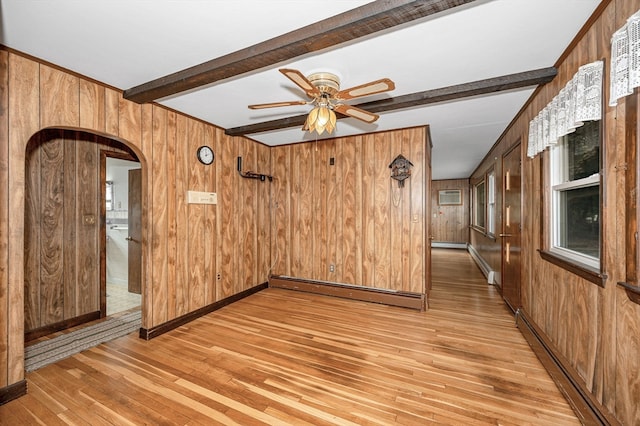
<point>205,155</point>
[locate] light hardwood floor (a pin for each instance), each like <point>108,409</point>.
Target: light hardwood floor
<point>284,357</point>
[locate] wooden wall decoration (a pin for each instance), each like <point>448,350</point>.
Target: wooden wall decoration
<point>339,218</point>
<point>593,329</point>
<point>400,169</point>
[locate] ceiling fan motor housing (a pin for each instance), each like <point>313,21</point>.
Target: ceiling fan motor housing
<point>325,82</point>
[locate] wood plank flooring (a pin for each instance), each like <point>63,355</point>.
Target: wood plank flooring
<point>285,357</point>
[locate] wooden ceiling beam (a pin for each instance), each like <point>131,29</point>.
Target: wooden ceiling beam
<point>359,22</point>
<point>458,91</point>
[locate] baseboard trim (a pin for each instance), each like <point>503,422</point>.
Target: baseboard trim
<point>346,291</point>
<point>442,244</point>
<point>59,326</point>
<point>150,333</point>
<point>588,410</point>
<point>488,273</point>
<point>13,391</point>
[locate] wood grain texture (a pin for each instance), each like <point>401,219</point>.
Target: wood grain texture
<point>450,223</point>
<point>130,121</point>
<point>195,219</point>
<point>350,214</point>
<point>23,123</point>
<point>248,217</point>
<point>32,249</point>
<point>159,232</point>
<point>87,231</point>
<point>59,98</point>
<point>37,94</point>
<point>4,212</point>
<point>70,232</point>
<point>461,362</point>
<point>181,300</point>
<point>51,229</point>
<point>62,250</point>
<point>335,212</point>
<point>382,209</point>
<point>264,209</point>
<point>628,362</point>
<point>368,213</point>
<point>420,147</point>
<point>281,197</point>
<point>227,220</point>
<point>511,190</point>
<point>112,108</point>
<point>146,203</point>
<point>210,219</point>
<point>590,327</point>
<point>92,106</point>
<point>172,225</point>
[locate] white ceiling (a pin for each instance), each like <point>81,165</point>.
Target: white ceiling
<point>125,43</point>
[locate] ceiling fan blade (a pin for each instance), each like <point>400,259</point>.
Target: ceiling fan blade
<point>277,104</point>
<point>301,81</point>
<point>378,86</point>
<point>356,112</point>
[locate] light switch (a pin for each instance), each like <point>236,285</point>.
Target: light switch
<point>199,197</point>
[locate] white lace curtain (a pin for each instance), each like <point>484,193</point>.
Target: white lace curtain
<point>579,101</point>
<point>625,59</point>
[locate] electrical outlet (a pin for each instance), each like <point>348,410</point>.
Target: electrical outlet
<point>219,276</point>
<point>332,268</point>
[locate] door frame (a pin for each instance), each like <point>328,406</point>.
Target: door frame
<point>104,154</point>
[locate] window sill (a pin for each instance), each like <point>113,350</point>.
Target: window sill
<point>633,292</point>
<point>479,230</point>
<point>483,232</point>
<point>586,272</point>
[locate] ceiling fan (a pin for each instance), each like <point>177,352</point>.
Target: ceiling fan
<point>324,90</point>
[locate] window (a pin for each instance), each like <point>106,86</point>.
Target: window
<point>450,197</point>
<point>479,205</point>
<point>109,195</point>
<point>575,196</point>
<point>491,203</point>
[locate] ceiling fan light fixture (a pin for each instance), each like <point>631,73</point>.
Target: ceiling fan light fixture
<point>320,119</point>
<point>323,88</point>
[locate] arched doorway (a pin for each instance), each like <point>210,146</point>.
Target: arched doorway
<point>64,229</point>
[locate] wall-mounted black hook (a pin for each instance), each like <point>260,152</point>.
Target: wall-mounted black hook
<point>252,175</point>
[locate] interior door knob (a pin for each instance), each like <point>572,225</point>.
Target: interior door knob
<point>129,238</point>
<point>506,235</point>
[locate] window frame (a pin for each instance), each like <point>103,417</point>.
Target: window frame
<point>491,202</point>
<point>476,210</point>
<point>586,266</point>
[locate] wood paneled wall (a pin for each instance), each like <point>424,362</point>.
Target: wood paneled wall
<point>62,225</point>
<point>450,224</point>
<point>185,245</point>
<point>594,329</point>
<point>352,214</point>
<point>486,246</point>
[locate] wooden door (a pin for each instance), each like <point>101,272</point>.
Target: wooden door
<point>135,231</point>
<point>511,227</point>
